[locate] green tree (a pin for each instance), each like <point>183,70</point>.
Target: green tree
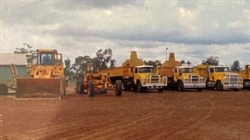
<point>182,62</point>
<point>80,64</point>
<point>152,63</point>
<point>103,57</point>
<point>212,60</point>
<point>27,49</point>
<point>67,67</point>
<point>236,66</point>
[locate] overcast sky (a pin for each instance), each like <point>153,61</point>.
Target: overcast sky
<point>193,30</point>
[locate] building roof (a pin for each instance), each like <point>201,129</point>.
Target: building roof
<point>12,58</point>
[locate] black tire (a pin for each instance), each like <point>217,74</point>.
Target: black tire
<point>81,88</point>
<point>219,86</point>
<point>126,85</point>
<point>161,90</point>
<point>180,86</point>
<point>199,89</point>
<point>236,89</point>
<point>3,89</point>
<point>77,88</point>
<point>139,87</point>
<point>135,88</point>
<point>64,89</point>
<point>118,88</point>
<point>90,89</point>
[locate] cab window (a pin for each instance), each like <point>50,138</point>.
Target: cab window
<point>46,58</point>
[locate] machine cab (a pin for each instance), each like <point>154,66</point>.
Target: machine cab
<point>46,57</point>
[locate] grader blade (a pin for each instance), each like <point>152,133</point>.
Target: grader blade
<point>40,88</point>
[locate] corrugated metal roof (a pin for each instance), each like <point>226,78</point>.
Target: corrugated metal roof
<point>12,58</point>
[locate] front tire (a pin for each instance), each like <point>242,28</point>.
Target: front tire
<point>180,86</point>
<point>219,86</point>
<point>199,89</point>
<point>160,90</point>
<point>139,87</point>
<point>118,88</point>
<point>90,89</point>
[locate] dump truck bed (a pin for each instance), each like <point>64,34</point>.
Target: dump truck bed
<point>123,71</point>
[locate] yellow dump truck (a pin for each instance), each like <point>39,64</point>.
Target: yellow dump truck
<point>181,77</point>
<point>219,77</point>
<point>245,74</point>
<point>137,76</point>
<point>46,76</point>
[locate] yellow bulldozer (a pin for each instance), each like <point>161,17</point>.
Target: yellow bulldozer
<point>95,82</point>
<point>45,76</point>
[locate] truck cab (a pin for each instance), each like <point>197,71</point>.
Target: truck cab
<point>245,74</point>
<point>185,78</point>
<point>146,78</point>
<point>220,78</point>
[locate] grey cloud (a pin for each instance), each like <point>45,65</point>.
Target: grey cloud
<point>26,13</point>
<point>190,4</point>
<point>88,4</point>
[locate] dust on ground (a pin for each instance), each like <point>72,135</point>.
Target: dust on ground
<point>149,115</point>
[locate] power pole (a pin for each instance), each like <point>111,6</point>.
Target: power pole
<point>166,53</point>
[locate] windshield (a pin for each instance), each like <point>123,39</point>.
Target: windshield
<point>146,70</point>
<point>221,69</point>
<point>186,70</point>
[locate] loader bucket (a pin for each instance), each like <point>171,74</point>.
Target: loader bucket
<point>40,88</point>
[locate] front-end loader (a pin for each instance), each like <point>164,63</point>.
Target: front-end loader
<point>45,76</point>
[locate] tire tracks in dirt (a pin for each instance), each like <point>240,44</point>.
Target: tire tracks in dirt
<point>187,127</point>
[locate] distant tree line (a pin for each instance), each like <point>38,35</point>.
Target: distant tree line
<point>103,59</point>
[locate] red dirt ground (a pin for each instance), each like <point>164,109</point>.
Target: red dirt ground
<point>169,115</point>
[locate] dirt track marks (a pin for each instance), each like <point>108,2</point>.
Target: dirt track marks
<point>171,115</point>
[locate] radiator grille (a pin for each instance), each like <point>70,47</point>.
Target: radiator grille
<point>195,79</point>
<point>154,78</point>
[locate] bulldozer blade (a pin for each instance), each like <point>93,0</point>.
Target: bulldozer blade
<point>40,88</point>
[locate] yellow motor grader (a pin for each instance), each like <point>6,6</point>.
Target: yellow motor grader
<point>93,82</point>
<point>45,76</point>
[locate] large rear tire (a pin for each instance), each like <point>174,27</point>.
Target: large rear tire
<point>118,88</point>
<point>3,89</point>
<point>126,85</point>
<point>90,89</point>
<point>81,88</point>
